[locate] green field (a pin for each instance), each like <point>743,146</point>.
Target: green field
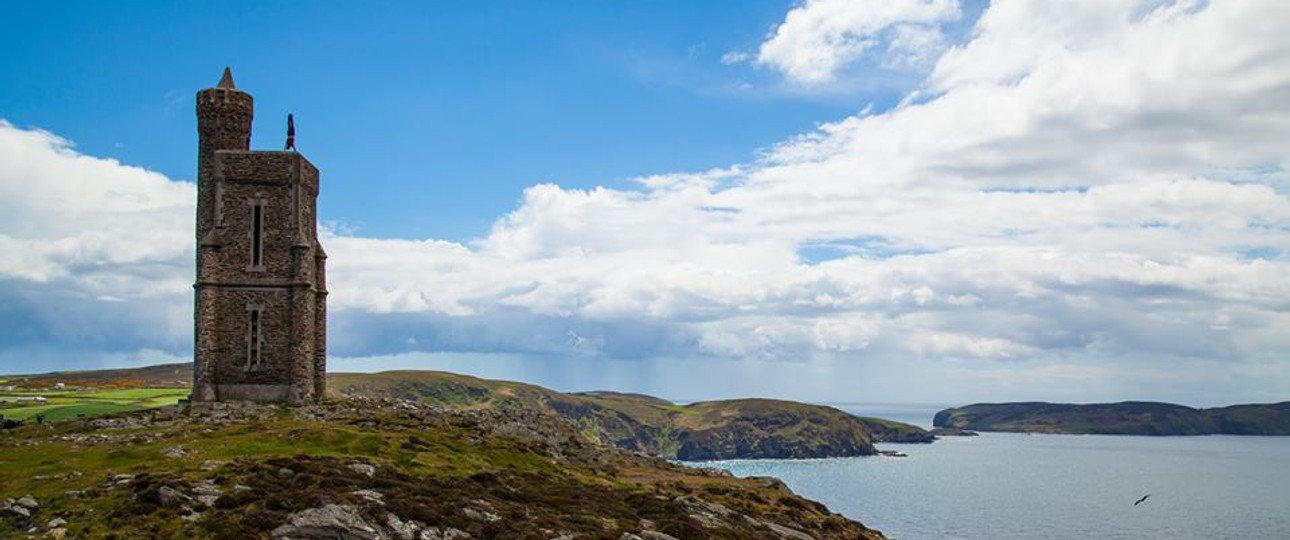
<point>65,404</point>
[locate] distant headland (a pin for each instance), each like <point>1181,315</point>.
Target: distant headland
<point>1125,418</point>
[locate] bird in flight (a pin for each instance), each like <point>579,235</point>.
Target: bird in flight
<point>1139,501</point>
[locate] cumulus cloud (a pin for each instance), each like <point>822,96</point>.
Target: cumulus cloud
<point>1089,192</point>
<point>60,211</point>
<point>820,37</point>
<point>94,255</point>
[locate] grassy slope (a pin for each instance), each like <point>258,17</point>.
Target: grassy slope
<point>1126,418</point>
<point>429,466</point>
<point>65,404</point>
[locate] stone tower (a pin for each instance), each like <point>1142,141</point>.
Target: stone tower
<point>261,296</point>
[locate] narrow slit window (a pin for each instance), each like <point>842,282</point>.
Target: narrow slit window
<point>257,234</point>
<point>254,341</point>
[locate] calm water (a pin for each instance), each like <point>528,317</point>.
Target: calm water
<point>1035,487</point>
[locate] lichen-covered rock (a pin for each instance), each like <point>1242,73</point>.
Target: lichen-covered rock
<point>370,496</point>
<point>206,492</point>
<point>8,507</point>
<point>363,469</point>
<point>435,533</point>
<point>170,497</point>
<point>331,522</point>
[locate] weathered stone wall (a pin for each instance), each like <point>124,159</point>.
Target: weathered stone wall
<point>320,321</point>
<point>231,343</point>
<point>270,179</point>
<point>224,118</point>
<point>287,286</point>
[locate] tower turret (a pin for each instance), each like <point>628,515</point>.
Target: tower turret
<point>224,116</point>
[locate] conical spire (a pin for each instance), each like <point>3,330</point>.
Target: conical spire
<point>226,82</point>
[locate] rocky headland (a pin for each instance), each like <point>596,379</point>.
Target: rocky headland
<point>706,430</point>
<point>1125,418</point>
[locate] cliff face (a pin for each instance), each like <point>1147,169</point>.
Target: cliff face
<point>373,469</point>
<point>751,428</point>
<point>1270,419</point>
<point>1126,418</point>
<point>888,431</point>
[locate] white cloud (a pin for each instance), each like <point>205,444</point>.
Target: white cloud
<point>913,46</point>
<point>820,37</point>
<point>735,57</point>
<point>60,211</point>
<point>1089,191</point>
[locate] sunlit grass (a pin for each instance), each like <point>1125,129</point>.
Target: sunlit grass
<point>72,403</point>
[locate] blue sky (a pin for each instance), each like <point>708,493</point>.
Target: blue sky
<point>834,200</point>
<point>428,118</point>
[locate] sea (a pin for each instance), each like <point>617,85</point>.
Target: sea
<point>1014,486</point>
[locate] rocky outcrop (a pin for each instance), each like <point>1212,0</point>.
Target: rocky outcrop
<point>24,514</point>
<point>349,522</point>
<point>345,522</point>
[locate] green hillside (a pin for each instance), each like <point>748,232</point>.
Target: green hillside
<point>74,402</point>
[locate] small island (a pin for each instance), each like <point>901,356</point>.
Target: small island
<point>1124,418</point>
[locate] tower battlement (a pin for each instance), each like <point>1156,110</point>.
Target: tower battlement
<point>260,310</point>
